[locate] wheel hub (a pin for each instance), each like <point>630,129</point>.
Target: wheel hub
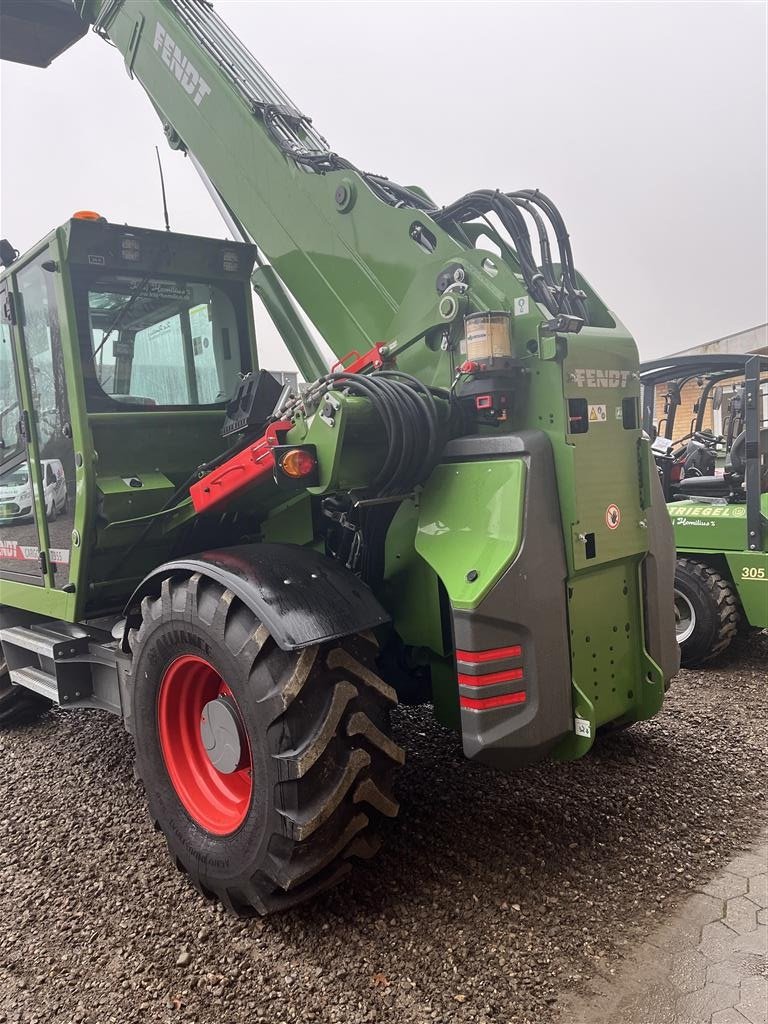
<point>220,732</point>
<point>685,617</point>
<point>204,745</point>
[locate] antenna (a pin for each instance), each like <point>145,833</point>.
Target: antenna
<point>162,188</point>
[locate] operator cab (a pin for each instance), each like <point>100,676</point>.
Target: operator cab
<point>695,408</point>
<point>120,349</point>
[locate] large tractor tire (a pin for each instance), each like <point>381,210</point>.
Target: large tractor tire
<point>18,706</point>
<point>706,612</point>
<point>265,769</point>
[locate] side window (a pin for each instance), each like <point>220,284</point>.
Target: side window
<point>18,532</point>
<point>11,442</point>
<point>50,421</point>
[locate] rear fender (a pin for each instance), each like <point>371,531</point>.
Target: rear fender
<point>302,597</point>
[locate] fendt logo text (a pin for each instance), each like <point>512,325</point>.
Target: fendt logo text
<point>187,75</point>
<point>600,378</point>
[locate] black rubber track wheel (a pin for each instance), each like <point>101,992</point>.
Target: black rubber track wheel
<point>18,706</point>
<point>706,609</point>
<point>315,734</point>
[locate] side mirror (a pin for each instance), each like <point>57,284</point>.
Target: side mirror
<point>7,253</point>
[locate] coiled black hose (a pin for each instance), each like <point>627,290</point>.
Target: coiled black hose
<point>415,425</point>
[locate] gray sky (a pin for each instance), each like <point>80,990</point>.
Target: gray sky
<point>646,123</point>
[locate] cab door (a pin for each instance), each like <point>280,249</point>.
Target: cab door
<point>19,548</point>
<point>40,334</point>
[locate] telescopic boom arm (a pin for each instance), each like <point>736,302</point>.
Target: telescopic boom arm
<point>361,255</point>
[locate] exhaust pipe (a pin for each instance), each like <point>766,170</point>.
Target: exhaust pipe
<point>35,32</point>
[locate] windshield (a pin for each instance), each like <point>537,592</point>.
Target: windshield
<point>158,341</point>
<point>17,477</point>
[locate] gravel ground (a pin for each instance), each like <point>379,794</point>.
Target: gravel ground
<point>493,896</point>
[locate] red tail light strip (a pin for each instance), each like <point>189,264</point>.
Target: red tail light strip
<point>490,678</point>
<point>487,703</point>
<point>495,654</point>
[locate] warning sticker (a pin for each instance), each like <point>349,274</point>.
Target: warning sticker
<point>26,553</point>
<point>582,727</point>
<point>598,414</point>
<point>612,517</point>
<point>521,306</point>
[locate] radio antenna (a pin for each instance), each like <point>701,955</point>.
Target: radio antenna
<point>162,188</point>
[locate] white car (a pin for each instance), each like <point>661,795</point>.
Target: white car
<point>16,491</point>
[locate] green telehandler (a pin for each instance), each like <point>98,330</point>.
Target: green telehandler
<point>716,486</point>
<point>462,510</point>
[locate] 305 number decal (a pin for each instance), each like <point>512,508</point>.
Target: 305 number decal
<point>753,572</point>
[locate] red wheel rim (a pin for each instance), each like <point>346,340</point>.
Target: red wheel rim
<point>216,801</point>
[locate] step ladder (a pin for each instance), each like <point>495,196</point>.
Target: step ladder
<point>72,665</point>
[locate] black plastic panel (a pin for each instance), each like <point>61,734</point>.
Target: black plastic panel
<point>302,597</point>
<point>36,31</point>
<point>526,607</point>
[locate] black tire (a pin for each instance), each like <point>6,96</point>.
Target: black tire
<point>18,706</point>
<point>707,612</point>
<point>317,725</point>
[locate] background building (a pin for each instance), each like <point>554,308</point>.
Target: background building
<point>755,339</point>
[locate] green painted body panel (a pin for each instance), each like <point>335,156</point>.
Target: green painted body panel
<point>749,572</point>
<point>702,527</point>
<point>719,531</point>
<point>611,668</point>
<point>471,522</point>
<point>411,585</point>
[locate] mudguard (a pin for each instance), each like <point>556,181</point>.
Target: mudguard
<point>302,597</point>
<point>659,590</point>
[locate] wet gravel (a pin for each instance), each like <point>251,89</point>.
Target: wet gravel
<point>494,895</point>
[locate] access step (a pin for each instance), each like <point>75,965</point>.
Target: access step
<point>45,642</point>
<point>37,680</point>
<point>71,664</point>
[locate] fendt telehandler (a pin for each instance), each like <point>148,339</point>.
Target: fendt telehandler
<point>462,510</point>
<point>716,484</point>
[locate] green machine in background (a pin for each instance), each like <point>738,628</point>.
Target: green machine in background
<point>462,510</point>
<point>716,485</point>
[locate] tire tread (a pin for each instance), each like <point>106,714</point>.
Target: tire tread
<point>723,601</point>
<point>334,782</point>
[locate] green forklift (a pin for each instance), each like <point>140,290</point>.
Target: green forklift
<point>252,576</point>
<point>715,482</point>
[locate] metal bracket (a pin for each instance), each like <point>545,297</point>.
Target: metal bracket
<point>133,45</point>
<point>9,309</point>
<point>563,323</point>
<point>755,519</point>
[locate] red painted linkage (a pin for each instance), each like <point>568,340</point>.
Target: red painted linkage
<point>242,470</point>
<point>372,358</point>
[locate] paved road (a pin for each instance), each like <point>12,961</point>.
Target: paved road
<point>707,965</point>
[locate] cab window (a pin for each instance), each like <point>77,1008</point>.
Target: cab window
<point>159,342</point>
